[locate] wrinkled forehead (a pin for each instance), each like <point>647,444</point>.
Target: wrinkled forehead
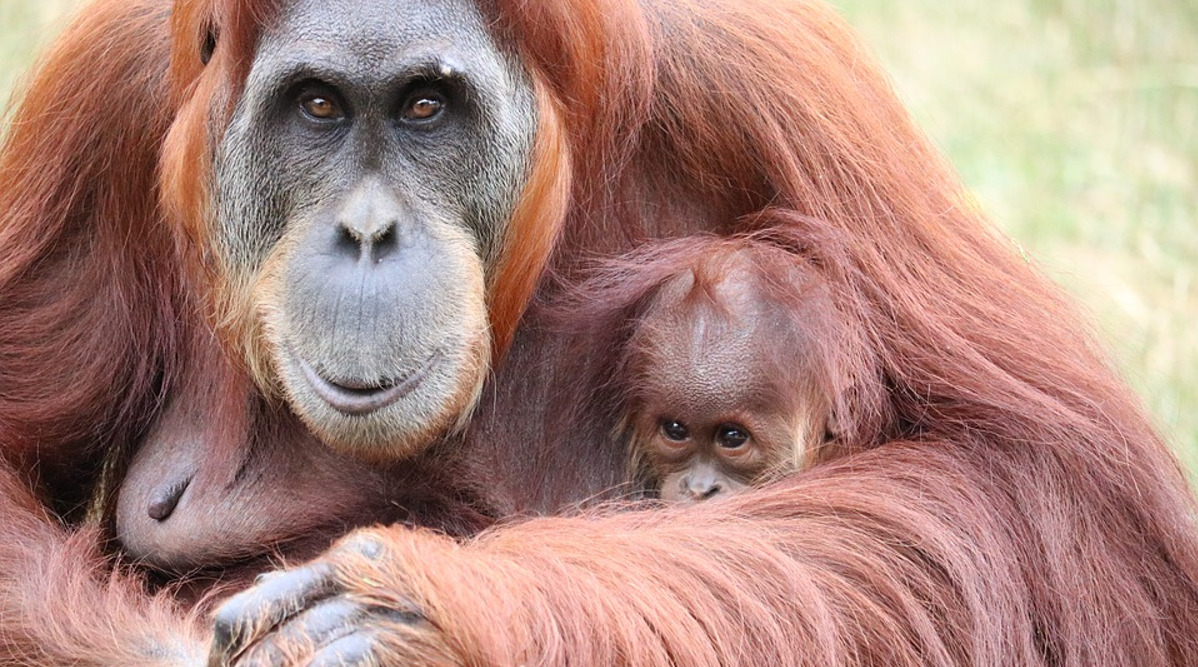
<point>733,351</point>
<point>700,356</point>
<point>375,37</point>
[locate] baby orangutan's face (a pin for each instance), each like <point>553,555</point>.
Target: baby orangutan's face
<point>699,461</point>
<point>720,399</point>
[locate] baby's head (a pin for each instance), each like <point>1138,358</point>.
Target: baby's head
<point>726,382</point>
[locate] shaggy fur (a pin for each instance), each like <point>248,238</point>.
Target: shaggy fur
<point>1010,503</point>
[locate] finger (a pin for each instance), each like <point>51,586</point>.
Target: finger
<point>355,650</point>
<point>363,543</point>
<point>242,620</point>
<point>301,636</point>
<point>264,577</point>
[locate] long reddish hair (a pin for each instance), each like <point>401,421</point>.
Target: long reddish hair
<point>1014,487</point>
<point>1013,503</point>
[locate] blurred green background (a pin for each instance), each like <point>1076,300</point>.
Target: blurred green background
<point>1075,122</point>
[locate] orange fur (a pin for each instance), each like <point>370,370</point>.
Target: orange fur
<point>533,229</point>
<point>1009,502</point>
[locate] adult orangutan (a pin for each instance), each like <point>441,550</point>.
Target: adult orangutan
<point>359,198</point>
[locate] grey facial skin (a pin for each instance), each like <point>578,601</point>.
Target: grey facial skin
<point>362,192</point>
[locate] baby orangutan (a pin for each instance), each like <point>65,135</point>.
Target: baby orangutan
<point>729,372</point>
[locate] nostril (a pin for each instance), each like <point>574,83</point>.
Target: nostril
<point>385,243</point>
<point>346,243</point>
<point>366,245</point>
<point>367,221</point>
<point>700,489</point>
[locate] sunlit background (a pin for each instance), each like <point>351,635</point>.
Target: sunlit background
<point>1075,122</point>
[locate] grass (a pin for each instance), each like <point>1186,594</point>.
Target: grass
<point>1075,122</point>
<point>26,26</point>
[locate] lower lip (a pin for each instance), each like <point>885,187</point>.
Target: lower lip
<point>363,401</point>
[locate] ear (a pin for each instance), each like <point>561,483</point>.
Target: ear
<point>639,475</point>
<point>208,45</point>
<point>832,430</point>
<point>817,439</point>
<point>825,442</point>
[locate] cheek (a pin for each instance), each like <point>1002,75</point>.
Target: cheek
<point>671,452</point>
<point>670,487</point>
<point>733,483</point>
<point>255,191</point>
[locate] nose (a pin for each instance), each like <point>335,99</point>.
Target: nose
<point>367,222</point>
<point>699,487</point>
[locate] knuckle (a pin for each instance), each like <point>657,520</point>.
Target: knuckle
<point>357,649</point>
<point>367,543</point>
<point>229,619</point>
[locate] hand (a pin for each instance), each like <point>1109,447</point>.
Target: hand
<point>336,610</point>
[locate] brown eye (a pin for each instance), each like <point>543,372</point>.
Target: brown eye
<point>731,436</point>
<point>674,430</point>
<point>321,107</point>
<point>424,107</point>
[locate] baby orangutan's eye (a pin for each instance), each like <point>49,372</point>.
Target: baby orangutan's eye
<point>674,430</point>
<point>731,436</point>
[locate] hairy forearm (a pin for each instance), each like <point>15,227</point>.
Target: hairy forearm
<point>807,572</point>
<point>62,603</point>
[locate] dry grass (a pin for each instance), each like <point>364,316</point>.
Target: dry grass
<point>1074,121</point>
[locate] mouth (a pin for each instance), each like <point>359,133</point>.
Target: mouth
<point>360,398</point>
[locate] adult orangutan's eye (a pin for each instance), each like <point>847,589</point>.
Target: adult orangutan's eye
<point>423,107</point>
<point>320,107</point>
